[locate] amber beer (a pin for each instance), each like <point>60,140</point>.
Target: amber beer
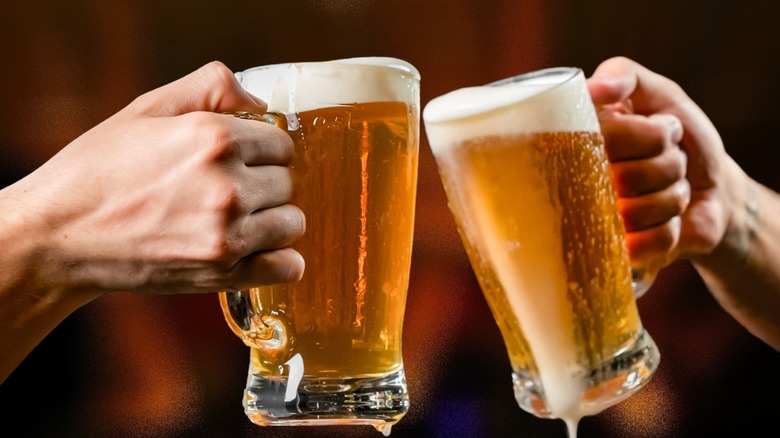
<point>357,173</point>
<point>524,167</point>
<point>327,349</point>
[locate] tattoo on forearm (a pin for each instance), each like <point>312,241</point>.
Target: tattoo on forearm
<point>752,223</point>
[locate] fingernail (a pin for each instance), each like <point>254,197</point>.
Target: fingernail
<point>257,100</point>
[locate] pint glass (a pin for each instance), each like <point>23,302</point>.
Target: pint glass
<point>327,349</point>
<point>525,171</point>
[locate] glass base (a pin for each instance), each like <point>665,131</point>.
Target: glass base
<point>376,401</point>
<point>614,381</point>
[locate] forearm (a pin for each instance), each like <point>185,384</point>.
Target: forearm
<point>743,272</point>
<point>27,315</point>
<point>34,296</point>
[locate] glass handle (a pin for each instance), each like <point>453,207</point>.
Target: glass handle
<point>276,119</point>
<point>641,280</point>
<point>244,316</point>
<point>238,310</point>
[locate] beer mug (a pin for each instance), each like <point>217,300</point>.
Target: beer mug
<point>526,175</point>
<point>327,350</point>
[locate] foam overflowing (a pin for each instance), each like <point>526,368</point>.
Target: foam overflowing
<point>535,281</point>
<point>303,86</point>
<point>553,102</point>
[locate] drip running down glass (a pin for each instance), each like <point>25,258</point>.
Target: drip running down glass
<point>327,350</point>
<point>524,168</point>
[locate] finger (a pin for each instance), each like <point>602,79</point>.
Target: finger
<point>269,229</point>
<point>212,87</point>
<point>246,141</point>
<point>630,137</point>
<point>261,143</point>
<point>640,177</point>
<point>263,187</point>
<point>270,267</point>
<point>619,79</point>
<point>656,208</point>
<point>654,246</point>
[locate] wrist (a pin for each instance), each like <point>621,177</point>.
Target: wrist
<point>34,295</point>
<point>742,209</point>
<point>32,278</point>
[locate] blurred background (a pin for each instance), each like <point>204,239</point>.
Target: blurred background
<point>133,366</point>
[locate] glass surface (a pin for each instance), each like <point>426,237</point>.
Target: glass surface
<point>327,349</point>
<point>524,168</point>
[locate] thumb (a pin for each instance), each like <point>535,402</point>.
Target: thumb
<point>621,79</point>
<point>212,87</point>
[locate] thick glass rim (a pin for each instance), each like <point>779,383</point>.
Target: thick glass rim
<point>468,102</point>
<point>381,62</point>
<point>538,76</point>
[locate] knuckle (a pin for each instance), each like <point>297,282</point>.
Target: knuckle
<point>673,164</point>
<point>276,144</point>
<point>682,195</point>
<point>221,198</point>
<point>216,74</point>
<point>215,247</point>
<point>667,237</point>
<point>683,162</point>
<point>218,138</point>
<point>296,221</point>
<point>207,134</point>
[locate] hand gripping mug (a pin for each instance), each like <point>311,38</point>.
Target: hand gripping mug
<point>327,350</point>
<point>525,171</point>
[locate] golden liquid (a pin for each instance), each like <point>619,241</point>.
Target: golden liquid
<point>537,214</point>
<point>356,170</point>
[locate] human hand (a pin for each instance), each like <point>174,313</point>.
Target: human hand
<point>671,171</point>
<point>169,195</point>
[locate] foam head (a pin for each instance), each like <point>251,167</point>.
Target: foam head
<point>296,87</point>
<point>550,100</point>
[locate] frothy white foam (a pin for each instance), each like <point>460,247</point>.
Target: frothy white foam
<point>555,102</point>
<point>303,86</point>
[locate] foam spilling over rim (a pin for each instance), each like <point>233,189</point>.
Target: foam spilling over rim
<point>550,100</point>
<point>302,86</point>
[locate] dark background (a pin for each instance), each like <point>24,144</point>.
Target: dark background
<point>133,366</point>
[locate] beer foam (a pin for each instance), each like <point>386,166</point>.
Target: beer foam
<point>303,86</point>
<point>553,102</point>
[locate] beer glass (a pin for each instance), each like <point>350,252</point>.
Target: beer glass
<point>524,168</point>
<point>327,349</point>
